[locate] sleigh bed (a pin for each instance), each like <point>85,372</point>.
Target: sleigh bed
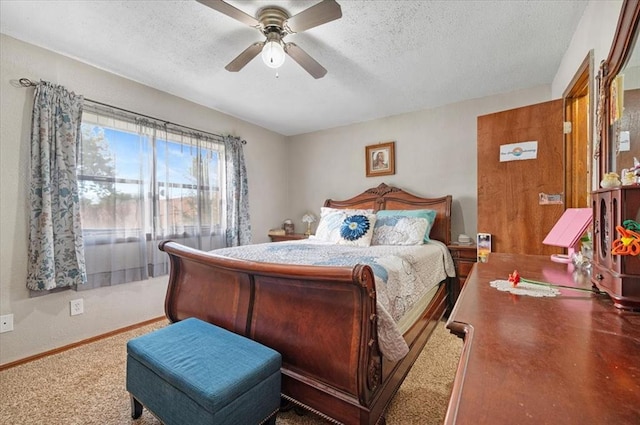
<point>323,319</point>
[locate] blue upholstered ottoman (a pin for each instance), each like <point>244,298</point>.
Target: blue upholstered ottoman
<point>192,373</point>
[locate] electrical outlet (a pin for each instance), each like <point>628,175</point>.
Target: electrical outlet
<point>6,323</point>
<point>77,306</point>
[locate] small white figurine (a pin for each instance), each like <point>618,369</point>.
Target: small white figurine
<point>628,177</point>
<point>636,169</point>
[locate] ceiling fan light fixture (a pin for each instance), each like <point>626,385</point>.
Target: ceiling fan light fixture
<point>275,23</point>
<point>273,53</point>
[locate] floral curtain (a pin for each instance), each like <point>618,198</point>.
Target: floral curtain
<point>237,187</point>
<point>56,254</point>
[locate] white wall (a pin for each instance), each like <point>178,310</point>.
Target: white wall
<point>595,31</point>
<point>436,148</point>
<point>44,323</point>
<point>435,156</point>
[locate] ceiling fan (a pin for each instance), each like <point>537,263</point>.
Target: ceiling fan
<point>275,23</point>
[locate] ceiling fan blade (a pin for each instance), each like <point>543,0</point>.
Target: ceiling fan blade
<point>244,58</point>
<point>304,60</point>
<point>231,11</point>
<point>321,13</point>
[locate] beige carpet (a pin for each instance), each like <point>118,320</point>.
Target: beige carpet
<point>86,385</point>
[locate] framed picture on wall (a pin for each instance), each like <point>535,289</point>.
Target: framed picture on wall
<point>380,159</point>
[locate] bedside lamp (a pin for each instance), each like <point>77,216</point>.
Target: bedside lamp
<point>308,218</point>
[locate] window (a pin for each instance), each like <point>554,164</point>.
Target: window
<point>143,181</point>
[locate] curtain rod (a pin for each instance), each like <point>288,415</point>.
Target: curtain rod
<point>25,82</point>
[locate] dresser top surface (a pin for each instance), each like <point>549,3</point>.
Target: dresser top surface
<point>573,358</point>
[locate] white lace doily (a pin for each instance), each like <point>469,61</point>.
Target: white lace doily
<point>525,288</point>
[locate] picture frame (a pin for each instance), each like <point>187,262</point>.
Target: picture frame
<point>380,159</point>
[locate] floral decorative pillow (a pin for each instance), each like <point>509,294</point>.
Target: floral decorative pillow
<point>399,230</point>
<point>328,210</point>
<point>357,229</point>
<point>430,215</point>
<point>331,220</point>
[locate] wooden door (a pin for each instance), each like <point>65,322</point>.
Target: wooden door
<point>509,192</point>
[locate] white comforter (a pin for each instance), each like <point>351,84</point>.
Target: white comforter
<point>403,274</point>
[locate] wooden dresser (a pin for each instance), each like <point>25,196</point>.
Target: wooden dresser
<point>464,257</point>
<point>287,237</point>
<point>618,275</point>
<point>570,359</point>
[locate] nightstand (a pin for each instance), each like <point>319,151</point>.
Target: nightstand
<point>289,237</point>
<point>464,256</point>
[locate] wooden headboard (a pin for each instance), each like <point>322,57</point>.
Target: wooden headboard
<point>386,197</point>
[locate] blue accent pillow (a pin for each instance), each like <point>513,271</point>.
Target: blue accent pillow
<point>331,220</point>
<point>354,227</point>
<point>357,229</point>
<point>346,227</point>
<point>430,215</point>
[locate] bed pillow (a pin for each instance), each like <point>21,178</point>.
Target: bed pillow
<point>331,220</point>
<point>430,215</point>
<point>328,210</point>
<point>357,229</point>
<point>399,230</point>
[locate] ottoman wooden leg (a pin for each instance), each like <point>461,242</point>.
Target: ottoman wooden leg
<point>136,408</point>
<point>285,405</point>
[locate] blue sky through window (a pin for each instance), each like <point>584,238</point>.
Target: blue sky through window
<point>176,162</point>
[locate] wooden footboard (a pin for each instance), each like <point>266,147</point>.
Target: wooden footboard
<point>321,319</point>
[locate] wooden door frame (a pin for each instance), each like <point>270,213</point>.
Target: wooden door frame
<point>582,81</point>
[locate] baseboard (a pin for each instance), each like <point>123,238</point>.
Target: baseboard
<point>79,343</point>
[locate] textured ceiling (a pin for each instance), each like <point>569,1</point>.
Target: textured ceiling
<point>383,57</point>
